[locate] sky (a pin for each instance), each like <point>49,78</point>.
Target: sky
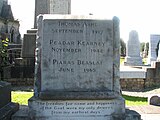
<point>140,15</point>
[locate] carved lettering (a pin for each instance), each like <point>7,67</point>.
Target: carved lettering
<point>66,70</point>
<point>69,50</point>
<point>97,32</point>
<point>77,108</point>
<point>67,31</point>
<point>91,43</point>
<point>53,42</point>
<point>58,62</point>
<point>77,24</point>
<point>80,62</point>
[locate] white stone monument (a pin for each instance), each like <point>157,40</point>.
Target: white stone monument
<point>153,44</point>
<point>133,57</point>
<point>77,69</point>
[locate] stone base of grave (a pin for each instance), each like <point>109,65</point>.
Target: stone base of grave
<point>112,109</point>
<point>23,114</point>
<point>133,61</point>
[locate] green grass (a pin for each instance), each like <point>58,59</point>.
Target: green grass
<point>133,101</point>
<point>22,99</point>
<point>122,60</point>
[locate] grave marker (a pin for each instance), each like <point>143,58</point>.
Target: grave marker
<point>77,69</point>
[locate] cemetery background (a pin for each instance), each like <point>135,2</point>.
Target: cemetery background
<point>152,78</point>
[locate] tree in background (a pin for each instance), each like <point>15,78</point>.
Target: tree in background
<point>3,53</point>
<point>123,47</point>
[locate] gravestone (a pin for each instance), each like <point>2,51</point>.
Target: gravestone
<point>153,44</point>
<point>29,45</point>
<point>154,100</point>
<point>133,57</point>
<point>7,108</point>
<point>77,69</point>
<point>51,7</point>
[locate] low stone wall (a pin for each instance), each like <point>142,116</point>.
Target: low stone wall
<point>132,84</point>
<point>129,84</point>
<point>129,80</point>
<point>138,84</point>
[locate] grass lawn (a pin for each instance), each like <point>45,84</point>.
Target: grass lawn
<point>133,101</point>
<point>22,99</point>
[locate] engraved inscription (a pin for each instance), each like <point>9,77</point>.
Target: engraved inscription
<point>77,51</point>
<point>92,46</point>
<point>77,108</point>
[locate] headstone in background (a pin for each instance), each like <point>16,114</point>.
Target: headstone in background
<point>7,108</point>
<point>51,7</point>
<point>153,44</point>
<point>133,57</point>
<point>29,45</point>
<point>77,69</point>
<point>154,100</point>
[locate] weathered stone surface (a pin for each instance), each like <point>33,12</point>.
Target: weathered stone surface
<point>75,109</point>
<point>77,69</point>
<point>22,114</point>
<point>60,6</point>
<point>133,50</point>
<point>51,7</point>
<point>76,54</point>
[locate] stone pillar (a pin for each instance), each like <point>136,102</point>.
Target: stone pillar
<point>133,57</point>
<point>41,7</point>
<point>51,7</point>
